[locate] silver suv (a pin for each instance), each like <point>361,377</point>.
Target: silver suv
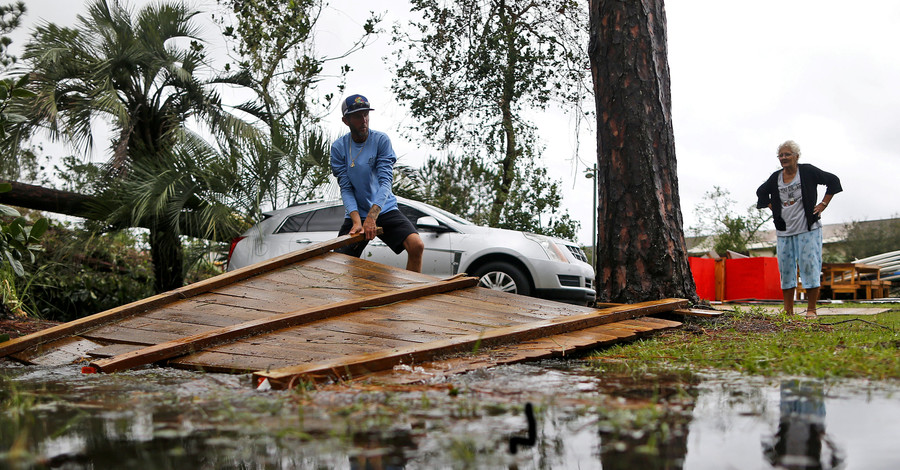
<point>506,260</point>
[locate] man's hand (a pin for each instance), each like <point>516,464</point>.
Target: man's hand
<point>357,224</point>
<point>369,225</point>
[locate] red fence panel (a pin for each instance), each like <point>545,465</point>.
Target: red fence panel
<point>752,278</point>
<point>704,272</point>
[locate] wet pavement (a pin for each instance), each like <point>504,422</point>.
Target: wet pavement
<point>583,419</point>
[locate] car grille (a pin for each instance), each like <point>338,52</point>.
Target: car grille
<point>589,283</point>
<point>577,252</point>
<point>569,281</point>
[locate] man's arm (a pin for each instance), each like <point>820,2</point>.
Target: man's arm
<point>357,224</point>
<point>339,170</point>
<point>384,170</point>
<point>370,225</point>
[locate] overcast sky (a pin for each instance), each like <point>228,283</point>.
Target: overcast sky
<point>745,77</point>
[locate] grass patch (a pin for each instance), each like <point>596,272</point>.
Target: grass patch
<point>753,342</point>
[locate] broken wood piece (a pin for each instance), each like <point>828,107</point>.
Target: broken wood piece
<point>360,364</point>
<point>698,312</point>
<point>218,336</point>
<point>83,324</point>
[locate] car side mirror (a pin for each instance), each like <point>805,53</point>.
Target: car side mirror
<point>430,223</point>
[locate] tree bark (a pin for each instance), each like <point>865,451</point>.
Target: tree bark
<point>507,164</point>
<point>167,254</point>
<point>642,254</point>
<point>57,201</point>
<point>48,200</point>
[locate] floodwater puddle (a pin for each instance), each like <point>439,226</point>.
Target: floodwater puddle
<point>582,418</point>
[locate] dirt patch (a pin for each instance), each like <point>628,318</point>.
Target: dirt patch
<point>752,324</point>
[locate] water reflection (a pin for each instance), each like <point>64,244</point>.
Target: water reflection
<point>381,452</point>
<point>155,418</point>
<point>801,441</point>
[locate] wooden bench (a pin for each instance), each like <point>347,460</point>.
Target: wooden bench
<point>875,289</point>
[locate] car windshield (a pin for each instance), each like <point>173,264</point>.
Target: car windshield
<point>449,215</point>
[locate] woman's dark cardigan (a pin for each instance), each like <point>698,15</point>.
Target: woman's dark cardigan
<point>810,178</point>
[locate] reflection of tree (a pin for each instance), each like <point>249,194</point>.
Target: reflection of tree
<point>661,445</point>
<point>381,452</point>
<point>652,436</point>
<point>801,441</point>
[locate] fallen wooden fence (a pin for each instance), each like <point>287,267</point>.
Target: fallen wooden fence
<point>314,315</point>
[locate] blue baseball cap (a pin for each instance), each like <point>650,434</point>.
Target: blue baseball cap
<point>354,103</point>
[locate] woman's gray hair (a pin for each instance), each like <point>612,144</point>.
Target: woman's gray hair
<point>795,149</point>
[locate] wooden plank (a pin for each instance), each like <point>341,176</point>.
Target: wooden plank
<point>342,270</point>
<point>377,331</point>
<point>527,306</point>
<point>359,365</point>
<point>299,338</point>
<point>227,363</point>
<point>373,271</point>
<point>153,325</point>
<point>116,334</point>
<point>124,311</point>
<point>274,304</point>
<point>304,342</point>
<point>425,315</point>
<point>661,322</point>
<point>221,335</point>
<point>313,352</point>
<point>539,348</point>
<point>452,304</point>
<point>203,318</point>
<point>113,350</point>
<point>697,312</point>
<point>302,277</point>
<point>56,353</point>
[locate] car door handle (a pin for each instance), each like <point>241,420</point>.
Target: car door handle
<point>304,241</point>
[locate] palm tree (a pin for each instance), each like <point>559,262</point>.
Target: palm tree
<point>145,75</point>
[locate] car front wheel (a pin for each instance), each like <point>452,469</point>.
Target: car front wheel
<point>503,277</point>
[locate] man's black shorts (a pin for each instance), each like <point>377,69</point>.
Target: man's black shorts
<point>396,228</point>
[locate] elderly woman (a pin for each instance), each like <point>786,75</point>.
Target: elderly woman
<point>791,193</point>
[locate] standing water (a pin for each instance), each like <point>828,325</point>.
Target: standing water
<point>583,419</point>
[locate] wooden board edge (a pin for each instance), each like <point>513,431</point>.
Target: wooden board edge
<point>697,312</point>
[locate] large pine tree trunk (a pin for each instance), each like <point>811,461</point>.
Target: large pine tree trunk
<point>642,255</point>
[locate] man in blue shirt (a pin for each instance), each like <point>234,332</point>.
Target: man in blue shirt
<point>363,163</point>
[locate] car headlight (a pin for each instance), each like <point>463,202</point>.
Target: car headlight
<point>551,249</point>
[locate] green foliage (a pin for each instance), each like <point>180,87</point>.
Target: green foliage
<point>533,204</point>
<point>470,70</point>
<point>273,42</point>
<point>18,240</point>
<point>80,273</point>
<point>869,238</point>
<point>730,231</point>
<point>10,19</point>
<point>461,185</point>
<point>465,57</point>
<point>16,161</point>
<point>264,176</point>
<point>12,88</point>
<point>187,189</point>
<point>147,74</point>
